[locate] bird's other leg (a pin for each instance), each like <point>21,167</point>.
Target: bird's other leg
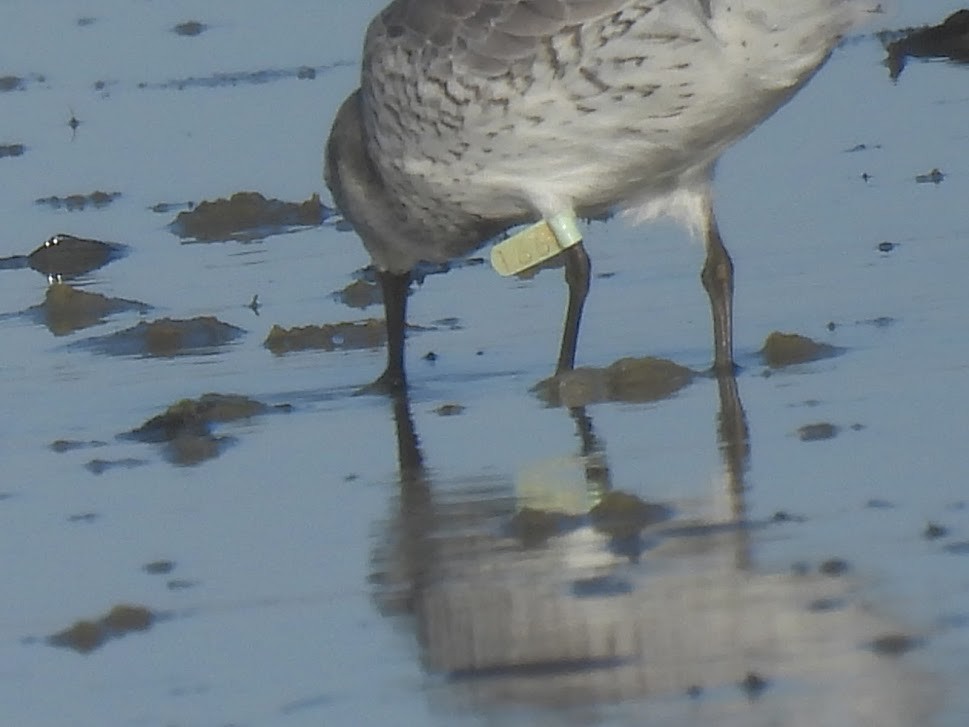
<point>717,277</point>
<point>578,270</point>
<point>394,287</point>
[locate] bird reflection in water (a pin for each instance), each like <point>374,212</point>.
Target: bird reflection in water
<point>569,620</point>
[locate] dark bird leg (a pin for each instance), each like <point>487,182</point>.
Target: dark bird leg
<point>394,287</point>
<point>578,270</point>
<point>717,277</point>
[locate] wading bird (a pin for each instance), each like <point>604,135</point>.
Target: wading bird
<point>474,116</point>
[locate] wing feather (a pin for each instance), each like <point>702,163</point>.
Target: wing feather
<point>483,36</point>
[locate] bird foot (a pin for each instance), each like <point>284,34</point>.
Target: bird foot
<point>389,383</point>
<point>728,369</point>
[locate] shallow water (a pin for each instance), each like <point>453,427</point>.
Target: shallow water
<point>345,562</point>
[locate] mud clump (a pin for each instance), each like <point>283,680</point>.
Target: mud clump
<point>817,432</point>
<point>100,466</point>
<point>197,415</point>
<point>790,349</point>
<point>632,380</point>
<point>449,410</point>
<point>247,216</point>
<point>86,636</point>
<point>159,567</point>
<point>185,428</point>
<point>622,515</point>
<point>78,202</point>
<point>167,337</point>
<point>948,40</point>
<point>190,28</point>
<point>370,333</point>
<point>66,256</point>
<point>618,515</point>
<point>11,83</point>
<point>83,517</point>
<point>753,685</point>
<point>163,208</point>
<point>61,446</point>
<point>933,177</point>
<point>359,294</point>
<point>834,567</point>
<point>533,527</point>
<point>578,387</point>
<point>66,309</point>
<point>646,379</point>
<point>894,644</point>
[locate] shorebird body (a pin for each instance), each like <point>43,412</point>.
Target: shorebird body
<point>473,116</point>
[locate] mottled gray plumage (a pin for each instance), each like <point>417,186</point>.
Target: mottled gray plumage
<point>475,115</point>
<point>484,36</point>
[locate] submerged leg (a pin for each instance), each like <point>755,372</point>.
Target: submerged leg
<point>717,277</point>
<point>394,287</point>
<point>578,270</point>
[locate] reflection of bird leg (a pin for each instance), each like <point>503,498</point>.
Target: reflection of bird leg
<point>593,452</point>
<point>416,504</point>
<point>734,439</point>
<point>409,455</point>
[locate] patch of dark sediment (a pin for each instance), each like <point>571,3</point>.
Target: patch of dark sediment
<point>359,294</point>
<point>623,515</point>
<point>163,208</point>
<point>366,334</point>
<point>66,256</point>
<point>77,202</point>
<point>949,40</point>
<point>158,567</point>
<point>86,635</point>
<point>247,216</point>
<point>619,515</point>
<point>818,432</point>
<point>633,380</point>
<point>99,466</point>
<point>11,150</point>
<point>190,29</point>
<point>186,428</point>
<point>789,349</point>
<point>70,445</point>
<point>11,83</point>
<point>450,410</point>
<point>167,337</point>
